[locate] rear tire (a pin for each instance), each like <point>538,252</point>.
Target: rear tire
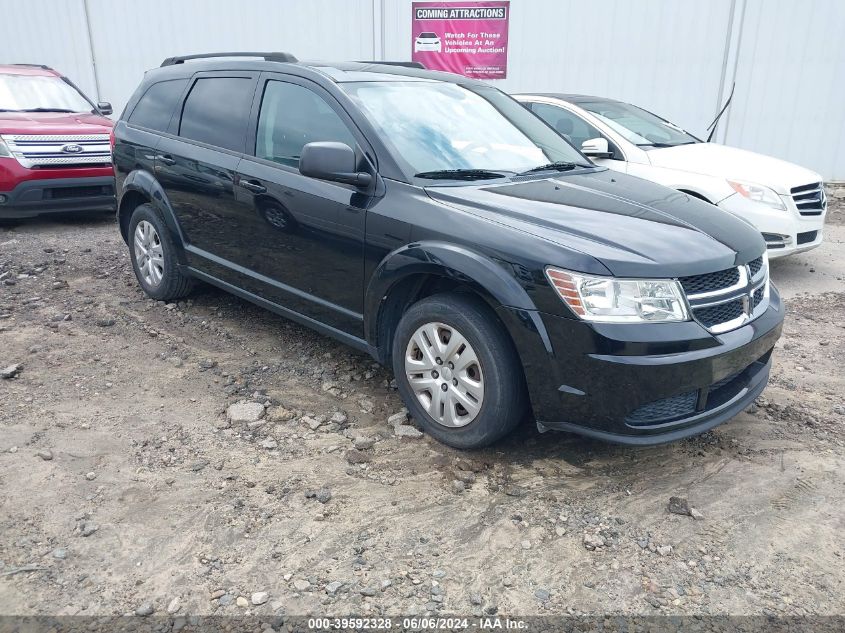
<point>153,256</point>
<point>457,371</point>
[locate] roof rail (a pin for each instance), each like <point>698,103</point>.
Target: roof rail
<point>33,66</point>
<point>405,64</point>
<point>270,57</point>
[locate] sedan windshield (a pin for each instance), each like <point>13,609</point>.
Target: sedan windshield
<point>639,126</point>
<point>440,130</point>
<point>33,93</point>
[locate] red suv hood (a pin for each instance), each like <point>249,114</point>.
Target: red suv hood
<point>53,123</point>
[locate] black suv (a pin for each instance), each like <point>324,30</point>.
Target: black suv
<point>435,223</point>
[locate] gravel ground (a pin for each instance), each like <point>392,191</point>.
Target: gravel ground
<point>129,483</point>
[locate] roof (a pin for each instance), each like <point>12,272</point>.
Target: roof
<point>28,69</point>
<point>571,98</point>
<point>336,72</point>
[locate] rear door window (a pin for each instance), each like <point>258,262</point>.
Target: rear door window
<point>156,107</point>
<point>292,116</point>
<point>217,111</point>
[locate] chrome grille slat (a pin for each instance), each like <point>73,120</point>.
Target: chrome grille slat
<point>810,199</point>
<point>45,150</point>
<point>62,138</point>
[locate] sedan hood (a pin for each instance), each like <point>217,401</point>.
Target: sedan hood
<point>53,123</point>
<point>632,227</point>
<point>726,162</point>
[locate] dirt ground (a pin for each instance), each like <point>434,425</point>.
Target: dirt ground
<point>124,488</point>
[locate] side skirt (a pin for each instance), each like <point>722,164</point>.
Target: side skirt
<point>347,339</point>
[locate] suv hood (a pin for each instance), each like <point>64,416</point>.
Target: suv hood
<point>632,227</point>
<point>53,123</point>
<point>726,162</point>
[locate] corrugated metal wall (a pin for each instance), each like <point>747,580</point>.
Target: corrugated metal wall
<point>675,57</point>
<point>790,83</point>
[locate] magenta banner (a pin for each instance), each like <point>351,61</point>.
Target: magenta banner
<point>468,38</point>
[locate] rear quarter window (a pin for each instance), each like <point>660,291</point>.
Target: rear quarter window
<point>156,107</point>
<point>217,111</point>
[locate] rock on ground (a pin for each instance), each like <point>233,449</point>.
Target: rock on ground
<point>244,412</point>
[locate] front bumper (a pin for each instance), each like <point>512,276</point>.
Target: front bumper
<point>58,195</point>
<point>644,383</point>
<point>786,232</point>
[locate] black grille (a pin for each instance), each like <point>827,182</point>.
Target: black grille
<point>676,410</point>
<point>714,315</point>
<point>755,266</point>
<point>809,198</point>
<point>758,297</point>
<point>710,282</point>
<point>665,409</point>
<point>80,192</point>
<point>807,237</point>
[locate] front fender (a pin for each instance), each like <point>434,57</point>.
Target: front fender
<point>497,285</point>
<point>142,182</point>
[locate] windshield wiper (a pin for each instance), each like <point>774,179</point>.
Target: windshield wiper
<point>560,165</point>
<point>665,144</point>
<point>46,110</point>
<point>460,174</point>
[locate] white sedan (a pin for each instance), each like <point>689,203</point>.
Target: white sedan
<point>785,202</point>
<point>427,42</point>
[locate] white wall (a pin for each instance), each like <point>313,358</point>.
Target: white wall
<point>652,53</point>
<point>790,83</point>
<point>675,57</point>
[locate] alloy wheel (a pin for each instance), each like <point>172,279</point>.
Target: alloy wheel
<point>149,256</point>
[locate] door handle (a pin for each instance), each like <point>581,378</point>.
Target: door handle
<point>253,186</point>
<point>166,159</point>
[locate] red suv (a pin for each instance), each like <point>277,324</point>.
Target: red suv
<point>55,154</point>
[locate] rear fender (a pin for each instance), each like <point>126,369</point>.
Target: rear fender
<point>142,182</point>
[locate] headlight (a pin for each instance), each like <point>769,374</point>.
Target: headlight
<point>611,300</point>
<point>757,193</point>
<point>4,150</point>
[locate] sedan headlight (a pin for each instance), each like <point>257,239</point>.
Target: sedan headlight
<point>758,193</point>
<point>611,300</point>
<point>4,150</point>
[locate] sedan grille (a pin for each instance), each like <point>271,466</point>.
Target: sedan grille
<point>65,150</point>
<point>810,199</point>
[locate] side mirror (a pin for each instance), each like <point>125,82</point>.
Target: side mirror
<point>104,107</point>
<point>328,160</point>
<point>597,148</point>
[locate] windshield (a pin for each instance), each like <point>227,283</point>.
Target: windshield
<point>22,93</point>
<point>437,127</point>
<point>637,125</point>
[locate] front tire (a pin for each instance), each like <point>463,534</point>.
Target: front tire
<point>153,256</point>
<point>457,371</point>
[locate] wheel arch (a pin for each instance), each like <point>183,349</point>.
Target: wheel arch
<point>140,187</point>
<point>425,268</point>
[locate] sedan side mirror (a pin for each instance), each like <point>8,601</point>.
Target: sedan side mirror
<point>104,107</point>
<point>328,160</point>
<point>597,148</point>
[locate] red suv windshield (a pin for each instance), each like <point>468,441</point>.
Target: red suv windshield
<point>35,93</point>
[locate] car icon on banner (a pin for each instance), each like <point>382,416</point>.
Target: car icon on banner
<point>427,42</point>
